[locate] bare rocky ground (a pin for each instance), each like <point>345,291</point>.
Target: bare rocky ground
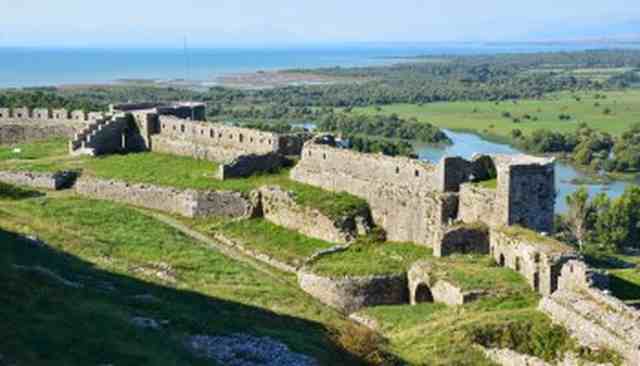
<point>246,350</point>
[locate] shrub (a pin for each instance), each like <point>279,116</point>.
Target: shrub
<point>364,344</point>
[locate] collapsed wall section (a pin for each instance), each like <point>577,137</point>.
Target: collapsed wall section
<point>594,317</point>
<point>280,207</point>
<point>538,259</point>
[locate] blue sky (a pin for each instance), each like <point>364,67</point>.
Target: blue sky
<point>268,22</point>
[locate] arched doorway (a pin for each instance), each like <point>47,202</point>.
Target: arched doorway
<point>422,294</point>
<point>501,260</point>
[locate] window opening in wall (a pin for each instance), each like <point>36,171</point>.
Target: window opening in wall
<point>536,257</point>
<point>219,135</point>
<point>231,136</point>
<point>182,129</point>
<point>397,170</point>
<point>309,153</point>
<point>240,137</point>
<point>324,156</point>
<point>517,264</point>
<point>501,260</point>
<point>251,139</point>
<point>269,142</point>
<point>417,173</point>
<point>536,281</point>
<point>211,133</point>
<point>202,132</point>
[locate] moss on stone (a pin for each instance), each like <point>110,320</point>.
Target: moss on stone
<point>368,259</point>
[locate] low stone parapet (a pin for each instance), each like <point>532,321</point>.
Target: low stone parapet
<point>189,203</point>
<point>350,294</point>
<point>51,181</point>
<point>279,207</point>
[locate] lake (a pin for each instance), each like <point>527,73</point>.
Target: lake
<point>466,145</point>
<point>28,67</point>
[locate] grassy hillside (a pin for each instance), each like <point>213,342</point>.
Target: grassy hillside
<point>73,302</point>
<point>489,117</point>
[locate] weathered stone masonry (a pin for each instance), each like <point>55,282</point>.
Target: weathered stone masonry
<point>415,200</point>
<point>595,318</point>
<point>23,125</point>
<point>280,207</point>
<point>187,203</point>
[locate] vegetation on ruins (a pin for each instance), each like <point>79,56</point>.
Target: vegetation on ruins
<point>264,237</point>
<point>118,263</point>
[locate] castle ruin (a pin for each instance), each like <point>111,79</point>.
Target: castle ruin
<point>501,206</point>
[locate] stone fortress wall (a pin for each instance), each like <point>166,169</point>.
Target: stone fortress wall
<point>19,125</point>
<point>416,201</point>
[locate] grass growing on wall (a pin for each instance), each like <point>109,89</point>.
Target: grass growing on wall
<point>364,259</point>
<point>115,253</point>
<point>258,234</point>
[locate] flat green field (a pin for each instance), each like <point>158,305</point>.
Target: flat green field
<point>487,117</point>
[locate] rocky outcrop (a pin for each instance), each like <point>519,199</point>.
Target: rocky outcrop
<point>507,357</point>
<point>52,181</point>
<point>280,207</point>
<point>350,294</point>
<point>189,203</point>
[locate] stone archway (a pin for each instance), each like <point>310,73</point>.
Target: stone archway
<point>422,294</point>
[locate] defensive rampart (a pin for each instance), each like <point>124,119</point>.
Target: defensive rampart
<point>21,125</point>
<point>187,203</point>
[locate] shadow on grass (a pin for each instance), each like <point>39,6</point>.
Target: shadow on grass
<point>17,193</point>
<point>623,289</point>
<point>59,309</point>
<point>606,261</point>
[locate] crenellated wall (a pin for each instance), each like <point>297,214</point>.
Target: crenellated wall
<point>209,141</point>
<point>24,125</point>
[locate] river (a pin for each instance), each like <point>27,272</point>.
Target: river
<point>466,145</point>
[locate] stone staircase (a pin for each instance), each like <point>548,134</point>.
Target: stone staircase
<point>103,135</point>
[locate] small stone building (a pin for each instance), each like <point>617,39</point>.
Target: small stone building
<point>539,259</point>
